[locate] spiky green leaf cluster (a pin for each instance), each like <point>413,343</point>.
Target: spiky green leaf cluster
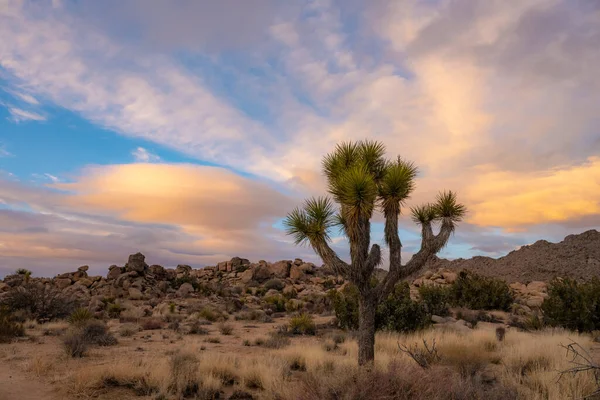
<point>312,222</point>
<point>445,208</point>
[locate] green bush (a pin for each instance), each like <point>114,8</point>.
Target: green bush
<point>345,306</point>
<point>400,313</point>
<point>397,312</point>
<point>480,293</point>
<point>274,284</point>
<point>303,324</point>
<point>80,316</point>
<point>278,302</point>
<point>435,299</point>
<point>573,305</point>
<point>9,328</point>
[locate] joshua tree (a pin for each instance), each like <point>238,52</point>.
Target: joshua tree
<point>361,181</point>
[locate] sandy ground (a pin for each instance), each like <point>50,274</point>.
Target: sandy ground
<point>37,369</point>
<point>16,384</point>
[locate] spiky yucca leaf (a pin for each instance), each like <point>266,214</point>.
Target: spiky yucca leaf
<point>371,156</point>
<point>345,155</point>
<point>397,183</point>
<point>447,207</point>
<point>312,222</point>
<point>355,188</point>
<point>424,213</point>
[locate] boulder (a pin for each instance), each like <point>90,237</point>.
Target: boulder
<point>537,286</point>
<point>262,273</point>
<point>183,270</point>
<point>62,283</point>
<point>158,271</point>
<point>535,302</point>
<point>185,290</point>
<point>247,275</point>
<point>114,272</point>
<point>238,264</point>
<point>85,282</point>
<point>298,272</point>
<point>135,294</point>
<point>281,269</point>
<point>137,263</point>
<point>222,266</point>
<point>83,268</point>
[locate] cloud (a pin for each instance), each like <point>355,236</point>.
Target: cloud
<point>141,95</point>
<point>173,213</point>
<point>19,115</point>
<point>26,97</point>
<point>140,154</point>
<point>512,200</point>
<point>495,100</point>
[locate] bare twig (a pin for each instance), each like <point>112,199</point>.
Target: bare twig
<point>424,356</point>
<point>582,361</point>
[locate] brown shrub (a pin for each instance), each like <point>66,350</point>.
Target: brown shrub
<point>151,324</point>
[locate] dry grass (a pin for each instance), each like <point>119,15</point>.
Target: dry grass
<point>472,365</point>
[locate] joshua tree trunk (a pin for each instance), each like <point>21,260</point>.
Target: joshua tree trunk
<point>366,330</point>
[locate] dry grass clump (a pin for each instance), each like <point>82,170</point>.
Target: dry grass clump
<point>196,328</point>
<point>131,314</point>
<point>225,329</point>
<point>75,344</point>
<point>129,329</point>
<point>151,324</point>
<point>77,341</point>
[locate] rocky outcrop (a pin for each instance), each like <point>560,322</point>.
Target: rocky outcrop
<point>577,256</point>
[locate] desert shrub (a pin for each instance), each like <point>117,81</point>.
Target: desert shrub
<point>276,341</point>
<point>196,328</point>
<point>211,314</point>
<point>253,315</point>
<point>398,312</point>
<point>114,310</point>
<point>96,332</point>
<point>213,340</point>
<point>41,302</point>
<point>151,324</point>
<point>132,314</point>
<point>435,299</point>
<point>225,329</point>
<point>9,328</point>
<point>290,294</point>
<point>278,302</point>
<point>480,293</point>
<point>246,342</point>
<point>80,316</point>
<point>345,306</point>
<point>396,382</point>
<point>23,271</point>
<point>573,305</point>
<point>75,344</point>
<point>274,284</point>
<point>129,329</point>
<point>184,368</point>
<point>303,324</point>
<point>292,306</point>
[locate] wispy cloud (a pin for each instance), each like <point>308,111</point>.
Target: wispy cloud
<point>140,154</point>
<point>20,115</point>
<point>26,97</point>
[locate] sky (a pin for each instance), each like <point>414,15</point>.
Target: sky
<point>187,129</point>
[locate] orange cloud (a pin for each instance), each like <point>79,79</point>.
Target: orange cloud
<point>517,199</point>
<point>210,199</point>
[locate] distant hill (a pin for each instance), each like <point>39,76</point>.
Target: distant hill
<point>577,256</point>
